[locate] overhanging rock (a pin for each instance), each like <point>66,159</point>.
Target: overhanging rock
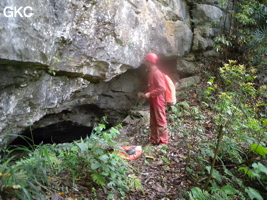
<point>94,39</point>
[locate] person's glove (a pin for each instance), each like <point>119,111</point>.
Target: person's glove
<point>147,95</point>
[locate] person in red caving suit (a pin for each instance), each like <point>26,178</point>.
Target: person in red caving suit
<point>156,97</point>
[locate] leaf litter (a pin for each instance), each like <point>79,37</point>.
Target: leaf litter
<point>163,170</point>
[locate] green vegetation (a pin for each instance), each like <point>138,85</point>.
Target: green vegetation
<point>46,170</point>
<point>244,33</point>
<point>241,138</point>
<point>231,164</point>
<point>228,130</point>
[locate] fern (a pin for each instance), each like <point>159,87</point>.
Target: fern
<point>216,193</point>
<point>220,195</point>
<point>98,178</point>
<point>184,105</point>
<point>230,150</point>
<point>134,183</point>
<point>197,193</point>
<point>260,34</point>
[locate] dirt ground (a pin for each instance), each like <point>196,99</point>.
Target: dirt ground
<point>161,178</point>
<point>161,168</point>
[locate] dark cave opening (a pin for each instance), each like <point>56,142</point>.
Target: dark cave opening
<point>64,127</point>
<point>60,132</point>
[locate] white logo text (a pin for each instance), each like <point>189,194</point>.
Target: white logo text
<point>21,11</point>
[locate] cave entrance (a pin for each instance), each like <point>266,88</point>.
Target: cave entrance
<point>64,127</point>
<point>61,132</point>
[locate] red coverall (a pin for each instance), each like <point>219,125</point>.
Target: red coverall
<point>158,122</point>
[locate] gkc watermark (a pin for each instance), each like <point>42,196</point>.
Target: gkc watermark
<point>10,11</point>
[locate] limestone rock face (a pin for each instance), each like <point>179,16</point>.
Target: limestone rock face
<point>207,19</point>
<point>207,13</point>
<point>102,38</point>
<point>24,102</point>
<point>80,60</point>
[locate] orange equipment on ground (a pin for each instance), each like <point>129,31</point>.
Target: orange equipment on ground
<point>130,152</point>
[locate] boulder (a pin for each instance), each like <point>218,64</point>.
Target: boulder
<point>207,18</point>
<point>185,82</point>
<point>207,13</point>
<point>187,66</point>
